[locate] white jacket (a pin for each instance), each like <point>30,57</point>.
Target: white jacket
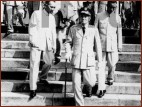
<point>42,30</point>
<point>83,46</point>
<point>110,31</point>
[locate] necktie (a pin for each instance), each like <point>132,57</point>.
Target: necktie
<point>83,28</point>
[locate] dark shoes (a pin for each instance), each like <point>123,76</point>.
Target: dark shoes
<point>57,60</point>
<point>32,94</point>
<point>45,82</point>
<point>102,93</point>
<point>110,81</point>
<point>6,34</point>
<point>88,90</point>
<point>88,94</point>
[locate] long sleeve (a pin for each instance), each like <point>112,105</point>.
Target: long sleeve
<point>96,7</point>
<point>98,46</point>
<point>119,33</point>
<point>68,42</point>
<point>54,34</point>
<point>96,21</point>
<point>33,33</point>
<point>68,45</point>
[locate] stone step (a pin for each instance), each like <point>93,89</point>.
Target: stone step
<point>131,48</point>
<point>17,29</point>
<point>118,100</point>
<point>11,44</point>
<point>129,56</point>
<point>128,66</point>
<point>59,87</point>
<point>25,37</point>
<point>25,53</point>
<point>15,53</point>
<point>132,40</point>
<point>15,36</point>
<point>125,31</point>
<point>14,44</point>
<point>59,75</point>
<point>57,99</point>
<point>24,63</point>
<point>131,32</point>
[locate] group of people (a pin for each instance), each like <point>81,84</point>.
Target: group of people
<point>13,11</point>
<point>88,37</point>
<point>85,44</point>
<point>104,38</point>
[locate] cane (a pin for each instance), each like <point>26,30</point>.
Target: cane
<point>65,81</point>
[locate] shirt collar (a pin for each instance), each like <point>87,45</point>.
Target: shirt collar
<point>45,12</point>
<point>86,26</point>
<point>114,12</point>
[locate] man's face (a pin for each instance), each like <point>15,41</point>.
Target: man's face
<point>85,19</point>
<point>90,5</point>
<point>111,7</point>
<point>50,7</point>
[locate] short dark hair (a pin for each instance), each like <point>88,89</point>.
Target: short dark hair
<point>110,2</point>
<point>86,3</point>
<point>47,2</point>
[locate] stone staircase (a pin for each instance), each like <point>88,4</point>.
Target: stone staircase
<point>126,90</point>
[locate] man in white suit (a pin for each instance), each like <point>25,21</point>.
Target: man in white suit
<point>83,39</point>
<point>42,31</point>
<point>110,31</point>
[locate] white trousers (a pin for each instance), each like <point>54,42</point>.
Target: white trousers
<point>111,58</point>
<point>35,57</point>
<point>89,78</point>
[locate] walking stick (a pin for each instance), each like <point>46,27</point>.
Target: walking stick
<point>65,81</point>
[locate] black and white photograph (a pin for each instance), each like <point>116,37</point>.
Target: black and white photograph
<point>71,53</point>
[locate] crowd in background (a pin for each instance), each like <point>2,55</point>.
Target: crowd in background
<point>13,12</point>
